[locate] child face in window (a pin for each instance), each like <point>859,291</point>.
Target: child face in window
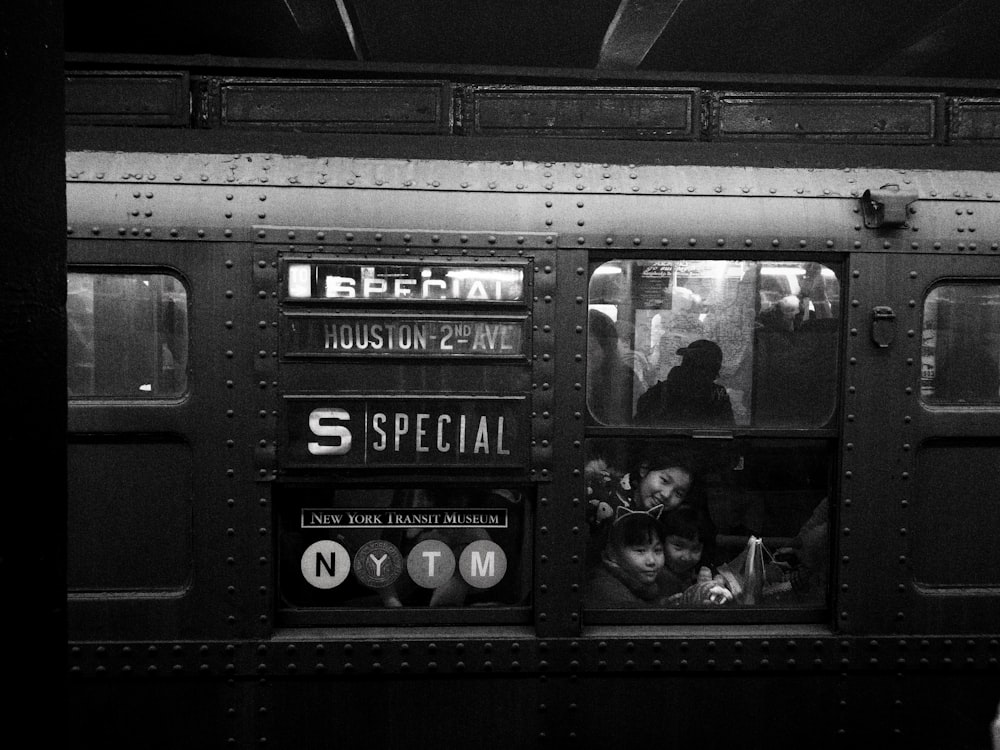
<point>666,486</point>
<point>682,554</point>
<point>644,560</point>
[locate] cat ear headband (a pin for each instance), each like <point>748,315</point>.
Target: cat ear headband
<point>621,511</point>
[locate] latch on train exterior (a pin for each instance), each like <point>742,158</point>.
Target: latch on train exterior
<point>883,326</point>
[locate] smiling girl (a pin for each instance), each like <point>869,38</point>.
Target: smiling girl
<point>659,476</point>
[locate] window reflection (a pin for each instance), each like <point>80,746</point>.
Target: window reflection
<point>960,354</point>
<point>713,343</point>
<point>126,335</point>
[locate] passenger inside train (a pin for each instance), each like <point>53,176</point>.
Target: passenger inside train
<point>609,388</point>
<point>785,315</point>
<point>690,395</point>
<point>742,314</point>
<point>683,528</point>
<point>629,572</point>
<point>743,525</point>
<point>455,590</point>
<point>657,476</point>
<point>643,368</point>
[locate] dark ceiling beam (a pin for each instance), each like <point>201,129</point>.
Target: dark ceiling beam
<point>633,32</point>
<point>322,23</point>
<point>347,16</point>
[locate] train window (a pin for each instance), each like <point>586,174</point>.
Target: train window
<point>957,497</point>
<point>127,335</point>
<point>740,349</point>
<point>713,343</point>
<point>960,351</point>
<point>430,546</point>
<point>677,528</point>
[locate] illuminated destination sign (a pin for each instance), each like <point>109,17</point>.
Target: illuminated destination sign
<point>308,334</point>
<point>395,282</point>
<point>460,431</point>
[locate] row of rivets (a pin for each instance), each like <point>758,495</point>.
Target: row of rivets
<point>543,344</point>
<point>230,384</point>
<point>656,664</point>
<point>575,172</point>
<point>520,239</point>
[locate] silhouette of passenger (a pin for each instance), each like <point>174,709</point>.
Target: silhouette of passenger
<point>812,288</point>
<point>644,370</point>
<point>689,395</point>
<point>609,379</point>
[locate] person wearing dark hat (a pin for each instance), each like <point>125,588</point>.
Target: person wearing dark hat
<point>689,396</point>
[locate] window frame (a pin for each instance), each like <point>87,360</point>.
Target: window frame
<point>693,436</point>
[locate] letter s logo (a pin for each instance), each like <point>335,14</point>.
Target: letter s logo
<point>338,436</point>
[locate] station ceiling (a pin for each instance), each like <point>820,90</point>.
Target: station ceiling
<point>954,39</point>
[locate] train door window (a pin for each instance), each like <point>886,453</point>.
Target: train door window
<point>127,335</point>
<point>960,348</point>
<point>743,351</point>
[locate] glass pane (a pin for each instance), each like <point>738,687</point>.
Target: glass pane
<point>957,490</point>
<point>713,343</point>
<point>960,354</point>
<point>741,525</point>
<point>430,546</point>
<point>126,335</point>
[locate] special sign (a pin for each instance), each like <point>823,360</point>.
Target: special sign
<point>311,334</point>
<point>398,282</point>
<point>467,431</point>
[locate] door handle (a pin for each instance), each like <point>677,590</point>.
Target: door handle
<point>883,326</point>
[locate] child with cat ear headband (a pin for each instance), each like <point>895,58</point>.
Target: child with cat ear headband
<point>631,562</point>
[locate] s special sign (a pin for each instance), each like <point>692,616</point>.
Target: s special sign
<point>383,431</point>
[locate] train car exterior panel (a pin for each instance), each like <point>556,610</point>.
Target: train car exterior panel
<point>317,322</point>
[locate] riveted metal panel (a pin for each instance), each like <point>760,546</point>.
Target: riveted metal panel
<point>857,118</point>
<point>265,384</point>
<point>356,107</point>
<point>134,98</point>
<point>131,495</point>
<point>677,222</point>
<point>414,651</point>
<point>647,113</point>
<point>974,120</point>
<point>188,711</point>
<point>669,710</point>
<point>561,527</point>
<point>474,711</point>
<point>865,565</point>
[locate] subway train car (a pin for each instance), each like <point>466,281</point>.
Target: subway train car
<point>468,413</point>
